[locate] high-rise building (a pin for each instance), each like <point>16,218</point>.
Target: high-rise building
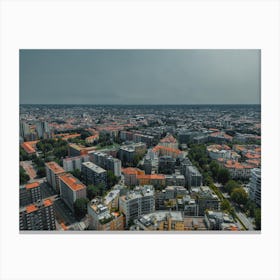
<point>71,189</point>
<point>38,216</point>
<point>137,202</point>
<point>42,129</point>
<point>29,193</point>
<point>53,170</point>
<point>73,163</point>
<point>24,129</point>
<point>93,174</point>
<point>166,165</point>
<point>106,161</point>
<point>255,186</point>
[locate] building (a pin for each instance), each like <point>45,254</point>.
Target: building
<point>42,129</point>
<point>128,153</point>
<point>169,141</point>
<point>255,186</point>
<point>161,220</point>
<point>166,151</point>
<point>29,193</point>
<point>29,147</point>
<point>111,200</point>
<point>131,174</point>
<point>75,150</point>
<point>53,170</point>
<point>157,180</point>
<point>107,162</point>
<point>175,180</point>
<point>94,174</point>
<point>73,163</point>
<point>37,216</point>
<point>217,220</point>
<point>206,200</point>
<point>100,217</point>
<point>24,129</point>
<point>71,189</point>
<point>236,169</point>
<point>192,176</point>
<point>166,165</point>
<point>137,202</point>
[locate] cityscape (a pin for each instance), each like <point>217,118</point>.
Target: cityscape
<point>136,168</point>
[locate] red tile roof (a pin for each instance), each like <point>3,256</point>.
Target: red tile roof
<point>32,185</point>
<point>55,167</point>
<point>72,182</point>
<point>31,208</point>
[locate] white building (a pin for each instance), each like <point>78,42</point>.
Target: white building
<point>255,186</point>
<point>138,202</point>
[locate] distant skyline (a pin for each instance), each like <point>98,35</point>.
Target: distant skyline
<point>141,77</point>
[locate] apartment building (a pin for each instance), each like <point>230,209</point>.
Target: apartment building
<point>73,163</point>
<point>94,174</point>
<point>71,189</point>
<point>38,216</point>
<point>53,170</point>
<point>255,186</point>
<point>137,202</point>
<point>29,193</point>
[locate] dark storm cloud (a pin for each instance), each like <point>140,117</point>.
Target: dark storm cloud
<point>140,76</point>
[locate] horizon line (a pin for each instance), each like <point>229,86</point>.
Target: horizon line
<point>134,104</point>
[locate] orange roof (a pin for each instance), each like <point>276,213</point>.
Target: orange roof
<point>28,148</point>
<point>236,165</point>
<point>47,202</point>
<point>173,150</point>
<point>168,139</point>
<point>71,136</point>
<point>55,167</point>
<point>131,171</point>
<point>152,176</point>
<point>32,185</point>
<point>72,182</point>
<point>252,156</point>
<point>31,208</point>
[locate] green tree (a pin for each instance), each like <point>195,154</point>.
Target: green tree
<point>239,196</point>
<point>41,172</point>
<point>231,185</point>
<point>85,134</point>
<point>77,173</point>
<point>23,176</point>
<point>258,218</point>
<point>111,178</point>
<point>80,207</point>
<point>92,192</point>
<point>214,168</point>
<point>225,205</point>
<point>223,176</point>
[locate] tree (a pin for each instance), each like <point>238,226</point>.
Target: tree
<point>223,176</point>
<point>80,207</point>
<point>258,218</point>
<point>111,179</point>
<point>77,173</point>
<point>231,185</point>
<point>92,192</point>
<point>214,168</point>
<point>41,172</point>
<point>23,176</point>
<point>225,205</point>
<point>85,134</point>
<point>239,196</point>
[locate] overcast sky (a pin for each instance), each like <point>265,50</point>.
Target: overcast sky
<point>140,77</point>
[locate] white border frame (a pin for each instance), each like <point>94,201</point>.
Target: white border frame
<point>155,24</point>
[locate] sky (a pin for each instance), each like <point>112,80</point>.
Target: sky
<point>140,76</point>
